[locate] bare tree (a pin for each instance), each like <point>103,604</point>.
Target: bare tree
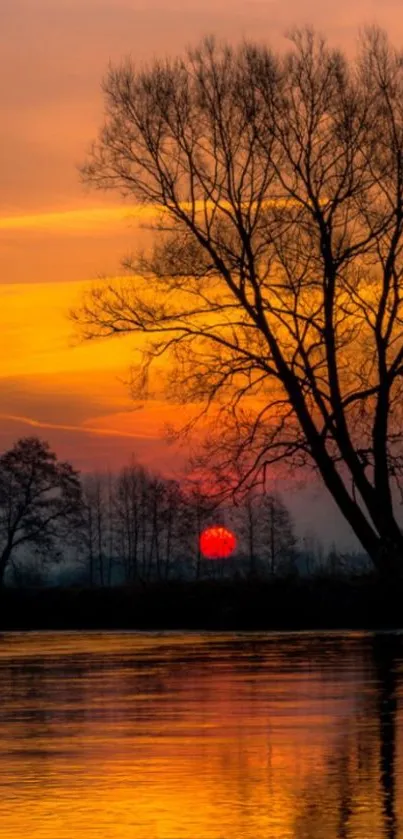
<point>98,527</point>
<point>131,523</point>
<point>175,526</point>
<point>265,529</point>
<point>275,281</point>
<point>197,512</point>
<point>248,527</point>
<point>40,501</point>
<point>277,534</point>
<point>149,513</point>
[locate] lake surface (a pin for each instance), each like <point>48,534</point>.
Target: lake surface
<point>201,736</point>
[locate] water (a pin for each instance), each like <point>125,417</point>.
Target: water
<point>191,736</point>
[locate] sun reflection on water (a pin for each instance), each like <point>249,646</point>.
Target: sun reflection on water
<point>186,736</point>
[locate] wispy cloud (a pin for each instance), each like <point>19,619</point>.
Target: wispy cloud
<point>84,429</point>
<point>93,218</point>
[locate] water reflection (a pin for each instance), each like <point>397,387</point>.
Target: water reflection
<point>357,793</point>
<point>186,736</point>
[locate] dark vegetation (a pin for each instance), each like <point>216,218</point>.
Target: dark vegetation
<point>315,603</point>
<point>40,502</point>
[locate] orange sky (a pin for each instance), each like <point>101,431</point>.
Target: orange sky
<point>55,237</point>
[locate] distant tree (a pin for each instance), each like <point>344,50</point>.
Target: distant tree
<point>278,261</point>
<point>335,562</point>
<point>197,512</point>
<point>175,527</point>
<point>149,522</point>
<point>130,521</point>
<point>265,529</point>
<point>173,522</point>
<point>156,512</point>
<point>244,518</point>
<point>97,535</point>
<point>313,554</point>
<point>40,501</point>
<point>277,534</point>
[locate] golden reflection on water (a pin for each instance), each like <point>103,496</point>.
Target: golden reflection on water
<point>187,736</point>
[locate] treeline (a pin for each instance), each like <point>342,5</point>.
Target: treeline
<point>106,529</point>
<point>139,525</point>
<point>110,529</point>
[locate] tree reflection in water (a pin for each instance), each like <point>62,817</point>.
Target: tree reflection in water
<point>357,794</point>
<point>387,651</point>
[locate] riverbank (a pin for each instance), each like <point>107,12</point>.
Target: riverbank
<point>212,605</point>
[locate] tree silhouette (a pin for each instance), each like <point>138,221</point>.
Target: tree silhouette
<point>40,500</point>
<point>274,282</point>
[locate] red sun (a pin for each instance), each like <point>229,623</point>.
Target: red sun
<point>217,542</point>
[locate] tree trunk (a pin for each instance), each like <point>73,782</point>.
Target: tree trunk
<point>389,557</point>
<point>251,541</point>
<point>272,541</point>
<point>4,560</point>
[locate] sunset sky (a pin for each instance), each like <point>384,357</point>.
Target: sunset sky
<point>56,237</point>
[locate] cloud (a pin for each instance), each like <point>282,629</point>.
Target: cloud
<point>90,451</point>
<point>88,419</point>
<point>83,429</point>
<point>82,220</point>
<point>69,246</point>
<point>37,337</point>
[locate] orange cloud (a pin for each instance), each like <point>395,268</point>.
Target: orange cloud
<point>77,220</point>
<point>72,392</point>
<point>36,335</point>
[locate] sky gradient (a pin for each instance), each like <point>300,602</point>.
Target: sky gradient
<point>56,237</point>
